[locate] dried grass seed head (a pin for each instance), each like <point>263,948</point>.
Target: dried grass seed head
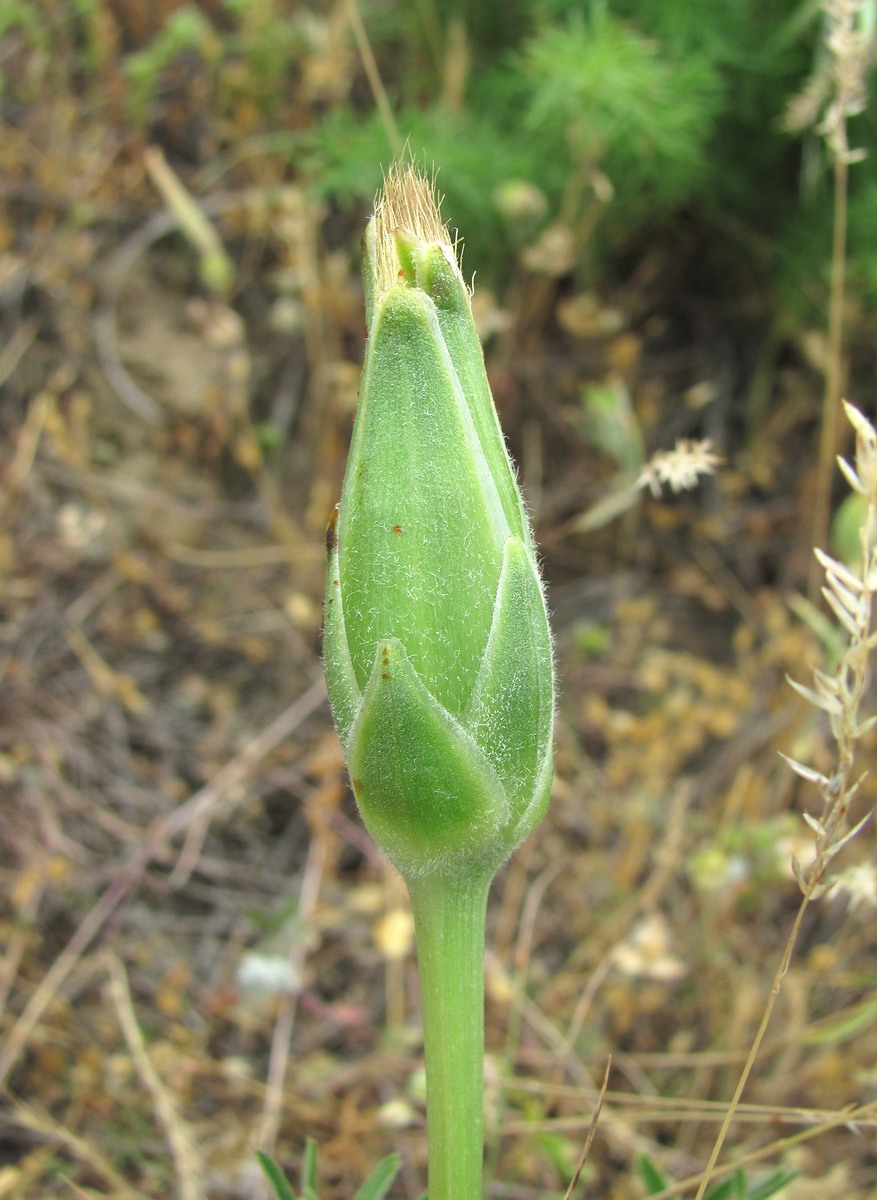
<point>849,42</point>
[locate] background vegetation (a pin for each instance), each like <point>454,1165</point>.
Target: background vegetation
<point>202,954</point>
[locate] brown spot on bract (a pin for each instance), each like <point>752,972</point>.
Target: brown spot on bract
<point>397,529</point>
<point>331,539</point>
<point>384,675</point>
<point>357,785</point>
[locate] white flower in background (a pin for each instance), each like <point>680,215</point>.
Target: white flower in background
<point>646,953</point>
<point>859,884</point>
<point>679,469</point>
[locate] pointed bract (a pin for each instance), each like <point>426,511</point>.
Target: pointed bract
<point>427,793</point>
<point>510,712</point>
<point>421,528</point>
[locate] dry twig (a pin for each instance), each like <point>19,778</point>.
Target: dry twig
<point>850,595</point>
<point>187,1161</point>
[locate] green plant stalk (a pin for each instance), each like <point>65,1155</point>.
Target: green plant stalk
<point>449,918</point>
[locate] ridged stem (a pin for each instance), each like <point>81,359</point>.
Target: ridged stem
<point>449,917</point>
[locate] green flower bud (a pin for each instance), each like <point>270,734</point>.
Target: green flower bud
<point>437,646</point>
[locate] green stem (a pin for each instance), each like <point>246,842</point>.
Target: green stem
<point>449,916</point>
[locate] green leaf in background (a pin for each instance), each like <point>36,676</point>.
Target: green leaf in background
<point>309,1171</point>
<point>729,1189</point>
<point>610,424</point>
<point>651,1174</point>
<point>378,1183</point>
<point>847,1024</point>
<point>846,541</point>
<point>275,1177</point>
<point>375,1187</point>
<point>734,1187</point>
<point>770,1186</point>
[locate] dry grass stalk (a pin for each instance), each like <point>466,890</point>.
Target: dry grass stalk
<point>42,1127</point>
<point>269,1125</point>
<point>850,595</point>
<point>849,45</point>
<point>187,1161</point>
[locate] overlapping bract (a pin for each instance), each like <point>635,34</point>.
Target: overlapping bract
<point>437,646</point>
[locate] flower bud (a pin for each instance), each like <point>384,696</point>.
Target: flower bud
<point>437,646</point>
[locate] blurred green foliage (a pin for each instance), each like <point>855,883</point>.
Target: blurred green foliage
<point>186,29</point>
<point>584,106</point>
<point>601,96</point>
<point>665,116</point>
<point>735,1187</point>
<point>637,123</point>
<point>375,1187</point>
